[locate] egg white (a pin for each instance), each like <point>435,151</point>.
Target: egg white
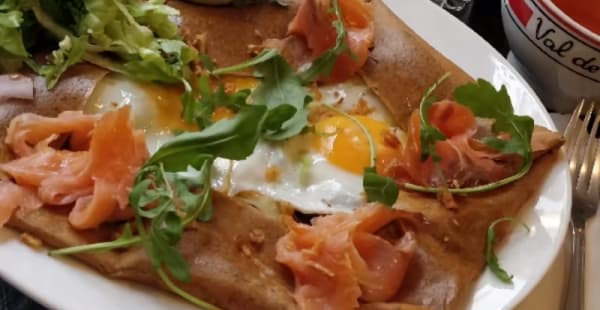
<point>306,179</point>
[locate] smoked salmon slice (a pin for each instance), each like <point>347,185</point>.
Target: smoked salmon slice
<point>13,196</point>
<point>464,159</point>
<point>313,23</point>
<point>92,168</point>
<point>28,130</point>
<point>340,258</point>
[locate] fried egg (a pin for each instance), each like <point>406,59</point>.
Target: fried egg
<point>319,171</point>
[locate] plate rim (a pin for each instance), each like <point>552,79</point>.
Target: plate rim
<point>561,167</point>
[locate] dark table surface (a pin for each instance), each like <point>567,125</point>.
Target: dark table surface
<point>484,19</point>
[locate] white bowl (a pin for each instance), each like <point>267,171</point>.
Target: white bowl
<point>559,57</point>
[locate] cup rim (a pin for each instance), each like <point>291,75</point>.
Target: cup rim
<point>570,23</point>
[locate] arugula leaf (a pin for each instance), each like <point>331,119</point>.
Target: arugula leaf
<point>323,65</point>
<point>158,185</point>
<point>233,138</point>
<point>278,116</point>
<point>154,198</point>
<point>379,188</point>
<point>126,240</point>
<point>70,52</point>
<point>173,287</point>
<point>200,111</point>
<point>207,62</point>
<point>164,234</point>
<point>280,90</point>
<point>281,86</point>
<point>485,101</point>
<point>429,134</point>
<point>490,257</point>
<point>264,56</point>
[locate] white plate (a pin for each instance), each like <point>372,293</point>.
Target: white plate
<point>65,284</point>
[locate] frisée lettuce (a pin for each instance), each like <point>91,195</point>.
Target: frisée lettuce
<point>134,37</point>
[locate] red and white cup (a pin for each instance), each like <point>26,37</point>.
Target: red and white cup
<point>559,57</point>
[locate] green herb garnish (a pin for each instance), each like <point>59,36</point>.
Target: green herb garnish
<point>70,52</point>
<point>490,256</point>
<point>126,240</point>
<point>379,188</point>
<point>200,111</point>
<point>282,92</point>
<point>259,59</point>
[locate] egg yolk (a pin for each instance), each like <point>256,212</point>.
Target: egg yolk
<point>343,143</point>
<point>167,102</point>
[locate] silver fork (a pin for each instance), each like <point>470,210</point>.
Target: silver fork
<point>584,162</point>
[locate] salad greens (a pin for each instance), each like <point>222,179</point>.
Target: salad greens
<point>490,256</point>
<point>486,102</point>
<point>70,52</point>
<point>134,37</point>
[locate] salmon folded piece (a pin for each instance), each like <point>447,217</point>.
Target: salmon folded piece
<point>340,258</point>
<point>97,179</point>
<point>313,25</point>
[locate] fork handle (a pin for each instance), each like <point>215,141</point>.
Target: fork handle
<point>576,288</point>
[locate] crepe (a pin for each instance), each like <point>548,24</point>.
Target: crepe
<point>233,261</point>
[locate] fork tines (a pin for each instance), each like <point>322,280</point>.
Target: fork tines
<point>582,147</point>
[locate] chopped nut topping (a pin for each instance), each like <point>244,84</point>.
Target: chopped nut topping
<point>362,107</point>
<point>255,49</point>
<point>246,250</point>
<point>199,42</point>
<point>31,241</point>
<point>316,91</point>
<point>319,112</point>
<point>257,236</point>
<point>258,34</point>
